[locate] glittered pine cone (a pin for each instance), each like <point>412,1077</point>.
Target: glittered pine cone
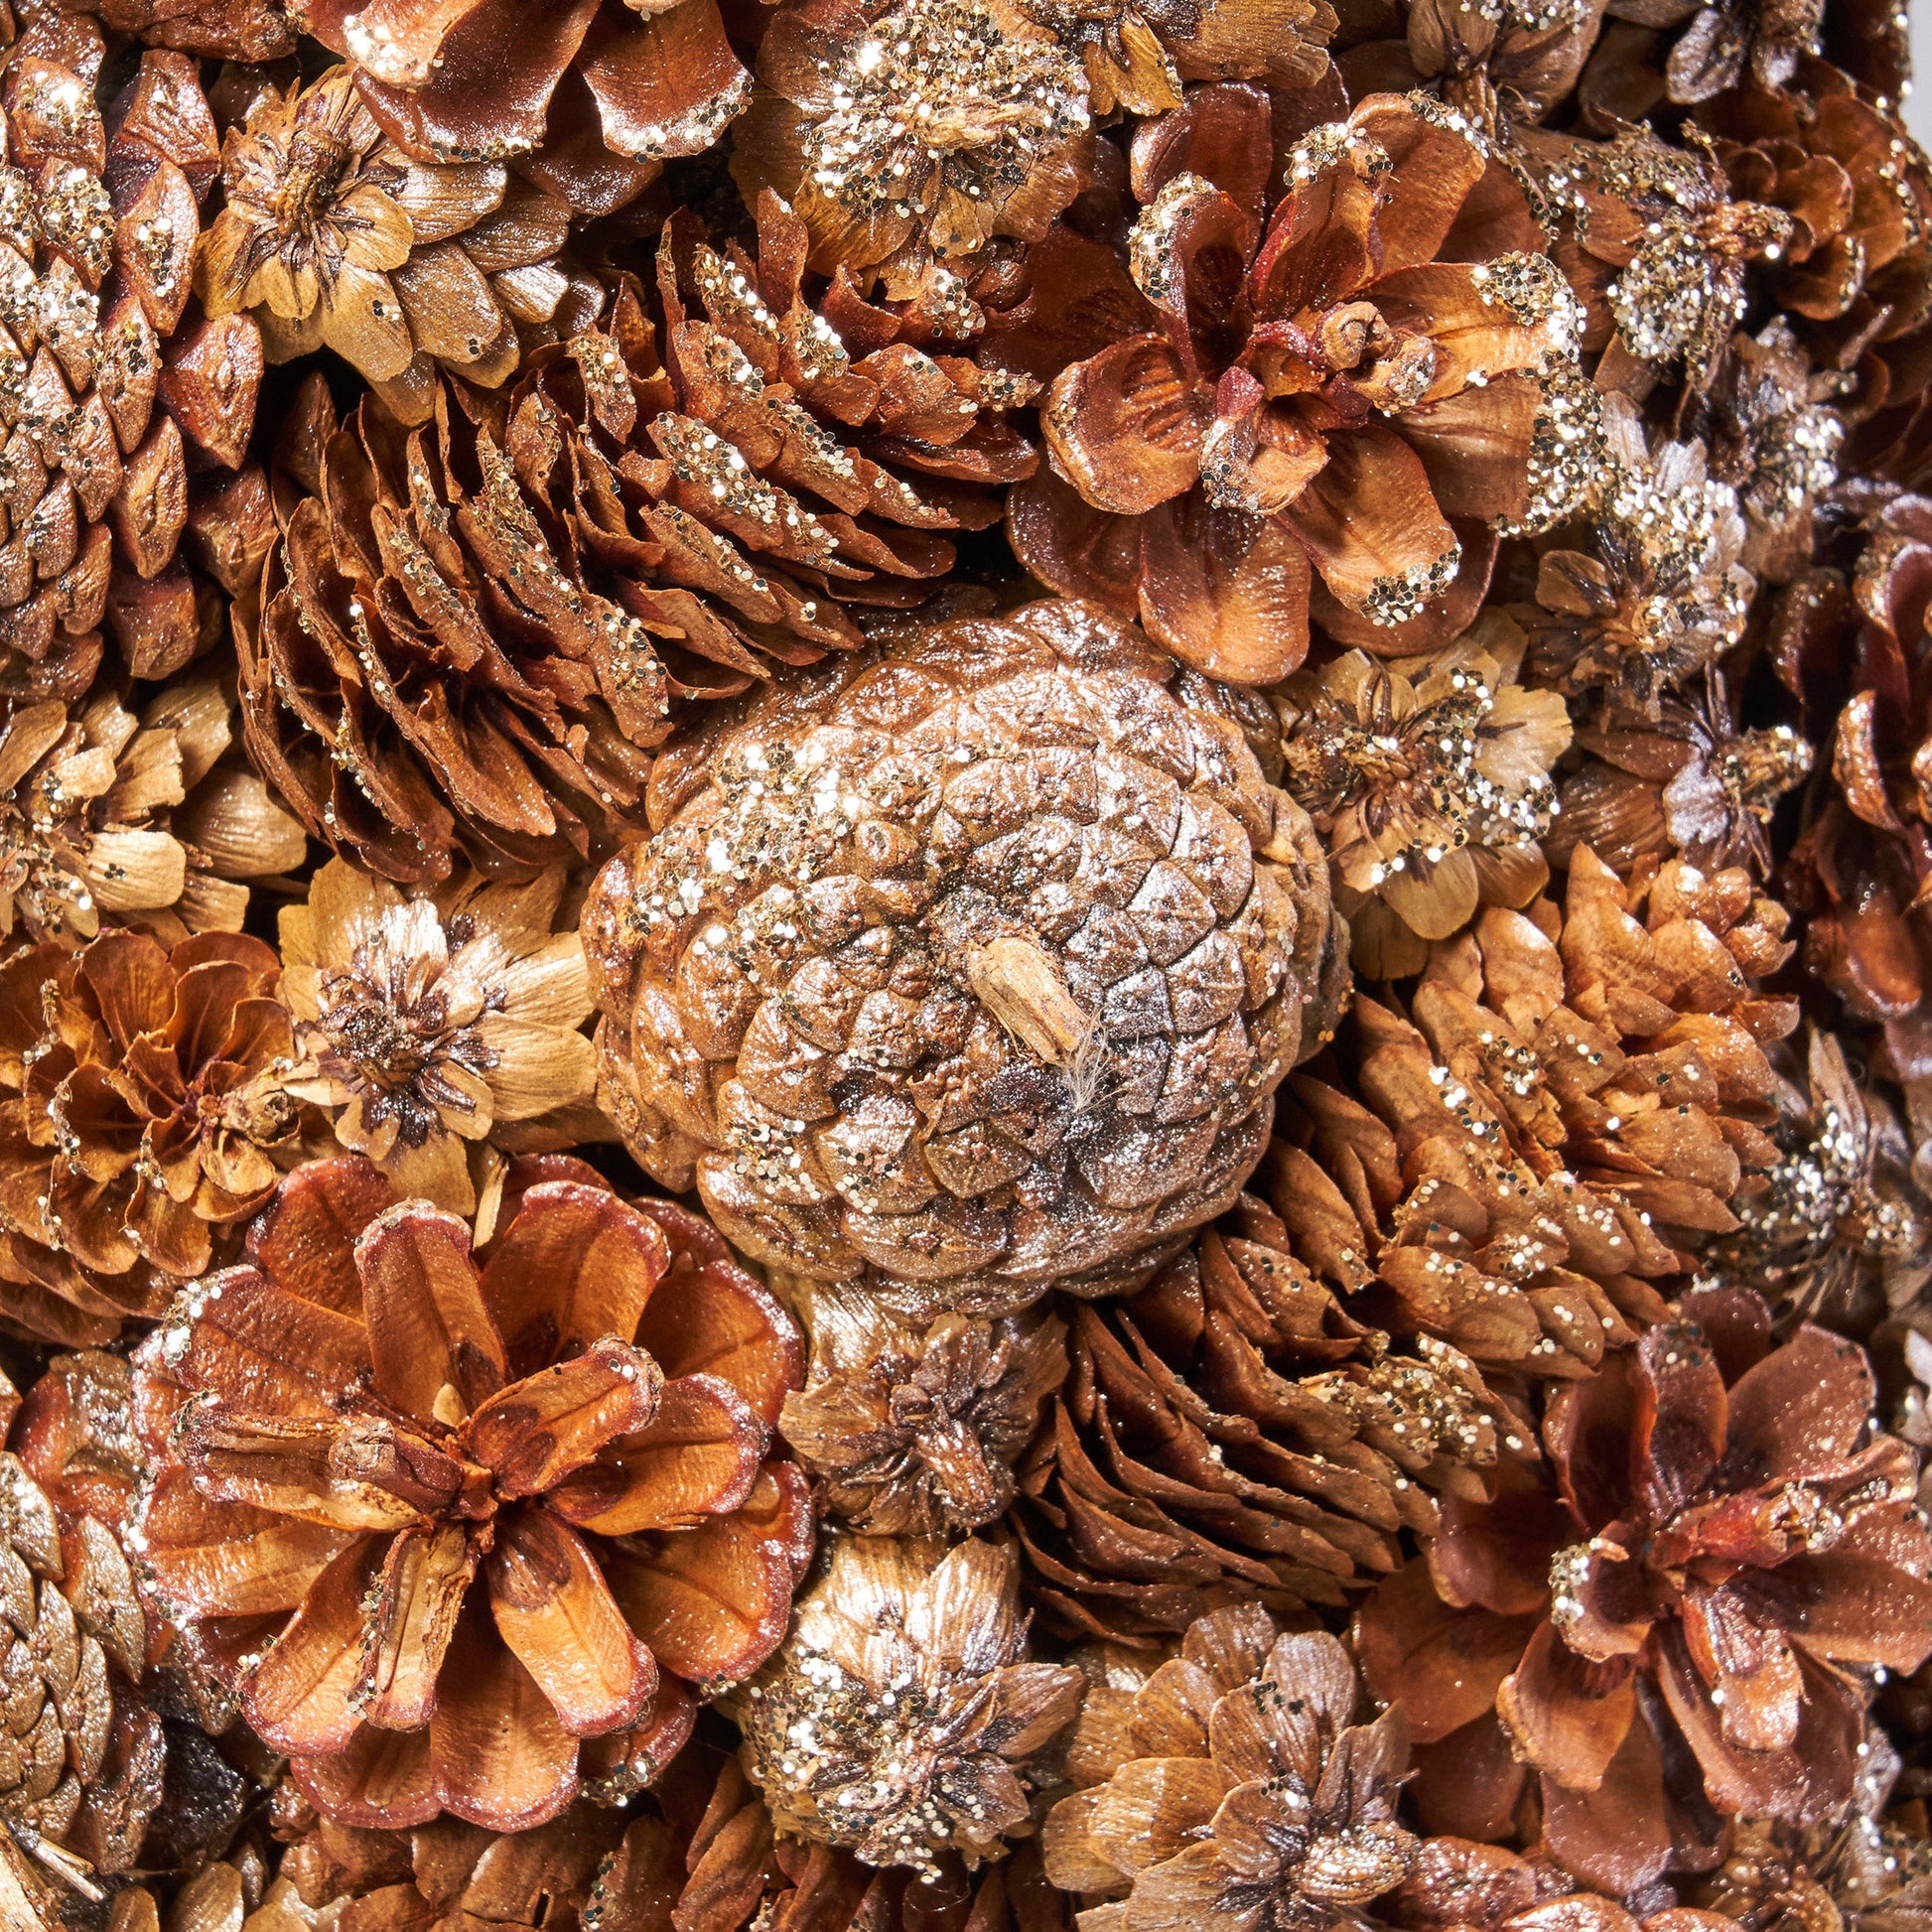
<point>146,1106</point>
<point>902,1721</point>
<point>586,100</point>
<point>1311,398</point>
<point>331,236</point>
<point>963,968</point>
<point>112,391</point>
<point>473,647</point>
<point>909,133</point>
<point>440,1030</point>
<point>911,1428</point>
<point>1232,1433</point>
<point>1284,1813</point>
<point>1678,1625</point>
<point>522,1511</point>
<point>1526,1164</point>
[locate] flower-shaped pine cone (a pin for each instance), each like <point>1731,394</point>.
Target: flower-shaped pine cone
<point>964,968</point>
<point>1350,383</point>
<point>472,1537</point>
<point>1723,1548</point>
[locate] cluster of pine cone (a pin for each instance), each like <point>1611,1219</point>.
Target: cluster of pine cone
<point>965,966</point>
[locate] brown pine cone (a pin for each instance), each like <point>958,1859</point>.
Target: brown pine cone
<point>901,1720</point>
<point>441,1031</point>
<point>1230,1787</point>
<point>80,1772</point>
<point>468,1530</point>
<point>222,30</point>
<point>1685,784</point>
<point>963,968</point>
<point>586,99</point>
<point>146,1110</point>
<point>1232,1433</point>
<point>471,648</point>
<point>109,819</point>
<point>911,1428</point>
<point>1695,1600</point>
<point>400,266</point>
<point>116,394</point>
<point>916,132</point>
<point>1293,438</point>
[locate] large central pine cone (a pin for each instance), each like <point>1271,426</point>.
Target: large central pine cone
<point>966,967</point>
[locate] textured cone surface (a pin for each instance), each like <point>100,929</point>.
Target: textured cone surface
<point>968,966</point>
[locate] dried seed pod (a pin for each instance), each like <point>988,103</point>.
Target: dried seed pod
<point>840,984</point>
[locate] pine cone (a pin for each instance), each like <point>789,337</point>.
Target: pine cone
<point>109,819</point>
<point>471,648</point>
<point>1685,785</point>
<point>936,976</point>
<point>1457,1882</point>
<point>589,100</point>
<point>1655,247</point>
<point>900,1721</point>
<point>151,1109</point>
<point>80,1772</point>
<point>911,1428</point>
<point>912,133</point>
<point>1419,839</point>
<point>1232,1433</point>
<point>96,243</point>
<point>1841,1231</point>
<point>400,266</point>
<point>1284,1813</point>
<point>439,1028</point>
<point>1322,420</point>
<point>512,1508</point>
<point>1620,1647</point>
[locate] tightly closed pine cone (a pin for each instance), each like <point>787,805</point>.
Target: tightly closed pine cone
<point>110,393</point>
<point>586,100</point>
<point>149,1109</point>
<point>1284,1814</point>
<point>964,968</point>
<point>80,1769</point>
<point>1233,1432</point>
<point>1310,400</point>
<point>398,265</point>
<point>518,1511</point>
<point>1728,1543</point>
<point>902,1720</point>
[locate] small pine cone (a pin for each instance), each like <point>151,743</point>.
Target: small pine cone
<point>586,101</point>
<point>108,819</point>
<point>518,1499</point>
<point>113,392</point>
<point>1656,249</point>
<point>401,266</point>
<point>81,1773</point>
<point>714,1857</point>
<point>440,1030</point>
<point>1232,1433</point>
<point>964,968</point>
<point>1685,784</point>
<point>1697,1607</point>
<point>150,1111</point>
<point>901,1720</point>
<point>1284,1812</point>
<point>911,1428</point>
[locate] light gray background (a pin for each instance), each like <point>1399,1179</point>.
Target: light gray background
<point>1918,104</point>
